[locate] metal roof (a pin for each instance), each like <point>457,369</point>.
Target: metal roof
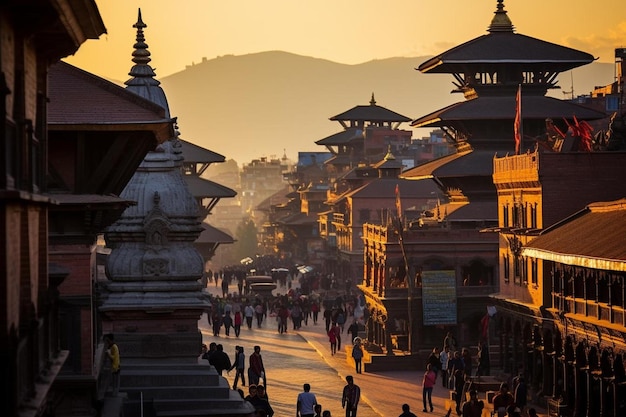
<point>203,188</point>
<point>80,98</point>
<point>506,48</point>
<point>197,154</point>
<point>341,138</point>
<point>370,113</point>
<point>503,108</point>
<point>594,237</point>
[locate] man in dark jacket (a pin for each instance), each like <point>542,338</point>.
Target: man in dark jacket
<point>220,360</point>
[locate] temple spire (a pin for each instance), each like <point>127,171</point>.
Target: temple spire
<point>141,55</point>
<point>501,21</point>
<point>372,100</point>
<point>143,82</point>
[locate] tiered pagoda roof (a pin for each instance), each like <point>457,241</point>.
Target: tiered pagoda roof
<point>489,70</point>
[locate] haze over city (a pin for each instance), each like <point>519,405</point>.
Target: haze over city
<point>267,112</point>
<point>349,32</point>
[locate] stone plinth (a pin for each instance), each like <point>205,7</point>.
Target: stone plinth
<point>178,389</point>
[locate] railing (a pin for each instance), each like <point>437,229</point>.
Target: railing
<point>461,291</point>
<point>516,162</point>
<point>592,309</point>
<point>525,167</point>
<point>475,290</point>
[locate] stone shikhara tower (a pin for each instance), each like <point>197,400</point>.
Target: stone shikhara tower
<point>153,299</point>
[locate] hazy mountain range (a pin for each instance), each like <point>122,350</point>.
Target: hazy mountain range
<point>249,106</point>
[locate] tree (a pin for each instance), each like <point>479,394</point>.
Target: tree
<point>246,244</point>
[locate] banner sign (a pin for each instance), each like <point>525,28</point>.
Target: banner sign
<point>439,297</point>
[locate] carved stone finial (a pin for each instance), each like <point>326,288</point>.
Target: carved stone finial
<point>141,55</point>
<point>373,100</point>
<point>143,81</point>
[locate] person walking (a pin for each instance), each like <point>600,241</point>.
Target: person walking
<point>315,310</point>
<point>459,383</point>
<point>113,352</point>
<point>306,402</point>
<point>225,282</point>
<point>282,316</point>
<point>296,316</point>
<point>256,370</point>
<point>237,321</point>
<point>249,313</point>
<point>455,367</point>
<point>239,364</point>
<point>216,318</point>
<point>428,382</point>
<point>357,355</point>
<point>444,358</point>
<point>351,396</point>
<point>406,411</point>
<point>220,360</point>
<point>333,333</point>
<point>227,321</point>
<point>341,319</point>
<point>259,311</point>
<point>328,314</point>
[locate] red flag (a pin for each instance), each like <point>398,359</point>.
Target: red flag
<point>517,125</point>
<point>582,131</point>
<point>484,326</point>
<point>398,203</point>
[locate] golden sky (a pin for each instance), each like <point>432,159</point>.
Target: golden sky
<point>182,32</point>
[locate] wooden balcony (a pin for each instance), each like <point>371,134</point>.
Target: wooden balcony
<point>590,308</point>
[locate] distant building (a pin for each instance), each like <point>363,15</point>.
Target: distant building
<point>427,148</point>
<point>261,178</point>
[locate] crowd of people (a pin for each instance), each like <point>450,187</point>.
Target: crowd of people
<point>297,307</point>
<point>293,309</point>
<point>455,368</point>
<point>452,365</point>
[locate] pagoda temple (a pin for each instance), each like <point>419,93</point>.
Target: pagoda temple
<point>489,70</point>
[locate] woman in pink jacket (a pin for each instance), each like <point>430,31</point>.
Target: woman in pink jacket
<point>427,387</point>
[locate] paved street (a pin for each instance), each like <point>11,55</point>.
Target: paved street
<point>295,358</point>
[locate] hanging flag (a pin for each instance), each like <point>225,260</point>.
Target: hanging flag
<point>398,203</point>
<point>484,327</point>
<point>517,125</point>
